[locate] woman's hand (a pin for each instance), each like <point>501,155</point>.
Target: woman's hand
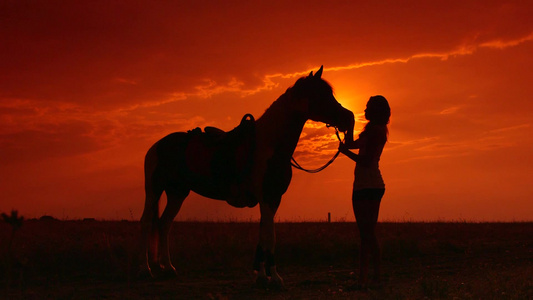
<point>343,148</point>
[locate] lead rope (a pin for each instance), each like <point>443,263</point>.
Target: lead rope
<point>295,164</point>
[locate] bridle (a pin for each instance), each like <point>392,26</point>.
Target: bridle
<point>295,164</point>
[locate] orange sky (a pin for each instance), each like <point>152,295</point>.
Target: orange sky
<point>86,89</point>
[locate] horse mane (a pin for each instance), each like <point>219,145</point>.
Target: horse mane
<point>297,89</point>
<point>279,103</point>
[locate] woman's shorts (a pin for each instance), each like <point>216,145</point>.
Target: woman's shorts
<point>368,194</point>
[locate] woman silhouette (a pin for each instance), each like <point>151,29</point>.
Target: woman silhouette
<point>368,186</point>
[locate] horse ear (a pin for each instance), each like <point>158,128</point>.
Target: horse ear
<point>311,74</point>
<point>319,72</point>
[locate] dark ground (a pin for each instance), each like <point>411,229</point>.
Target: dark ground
<point>97,260</point>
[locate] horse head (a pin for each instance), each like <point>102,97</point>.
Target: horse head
<point>321,105</point>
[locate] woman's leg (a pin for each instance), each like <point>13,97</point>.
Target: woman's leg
<point>366,210</point>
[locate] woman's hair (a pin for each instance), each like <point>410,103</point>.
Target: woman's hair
<point>377,112</point>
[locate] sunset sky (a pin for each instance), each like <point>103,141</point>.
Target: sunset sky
<point>86,89</point>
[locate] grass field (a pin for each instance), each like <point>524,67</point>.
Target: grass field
<point>98,260</point>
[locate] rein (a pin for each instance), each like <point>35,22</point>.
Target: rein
<point>295,164</point>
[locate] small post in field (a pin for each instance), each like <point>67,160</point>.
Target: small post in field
<point>329,217</point>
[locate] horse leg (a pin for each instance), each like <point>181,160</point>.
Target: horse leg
<point>175,198</point>
<point>149,231</point>
<point>267,241</point>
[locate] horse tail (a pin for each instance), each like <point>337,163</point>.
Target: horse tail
<point>150,217</point>
<point>152,184</point>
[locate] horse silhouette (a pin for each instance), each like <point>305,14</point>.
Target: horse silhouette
<point>246,166</point>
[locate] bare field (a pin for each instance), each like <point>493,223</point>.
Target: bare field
<point>98,260</point>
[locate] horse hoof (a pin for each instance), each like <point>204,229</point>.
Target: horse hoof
<point>262,282</point>
<point>163,273</point>
<point>168,272</point>
<point>155,272</point>
<point>277,285</point>
<point>144,274</point>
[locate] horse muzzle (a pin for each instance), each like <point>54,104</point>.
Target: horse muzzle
<point>344,120</point>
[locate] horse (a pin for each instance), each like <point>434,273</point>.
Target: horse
<point>247,166</point>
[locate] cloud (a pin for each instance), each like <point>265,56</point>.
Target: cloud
<point>270,81</point>
<point>126,81</point>
<point>412,142</point>
<point>502,44</point>
<point>449,145</point>
<point>510,128</point>
<point>25,118</point>
<point>151,51</point>
<point>450,110</point>
<point>48,142</point>
<point>111,73</point>
<point>37,130</point>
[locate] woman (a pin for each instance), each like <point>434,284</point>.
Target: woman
<point>368,186</point>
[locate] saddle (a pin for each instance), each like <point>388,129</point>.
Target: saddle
<point>223,161</point>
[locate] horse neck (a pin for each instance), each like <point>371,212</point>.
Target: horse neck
<point>280,127</point>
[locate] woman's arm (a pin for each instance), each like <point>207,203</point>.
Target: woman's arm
<point>353,144</point>
<point>344,149</point>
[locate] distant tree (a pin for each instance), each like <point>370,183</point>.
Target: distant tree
<point>16,222</point>
<point>47,218</point>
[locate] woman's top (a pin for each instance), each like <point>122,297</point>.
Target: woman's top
<point>370,143</point>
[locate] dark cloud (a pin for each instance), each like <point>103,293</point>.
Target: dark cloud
<point>75,51</point>
<point>51,141</point>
